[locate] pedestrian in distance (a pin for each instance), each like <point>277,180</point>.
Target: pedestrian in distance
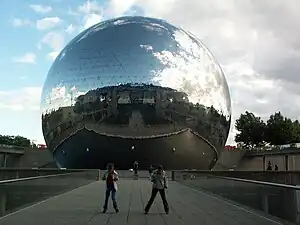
<point>159,184</point>
<point>150,170</point>
<point>269,168</point>
<point>135,170</point>
<point>111,177</point>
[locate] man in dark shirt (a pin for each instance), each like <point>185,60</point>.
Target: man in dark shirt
<point>135,169</point>
<point>110,176</point>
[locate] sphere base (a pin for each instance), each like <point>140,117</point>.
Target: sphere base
<point>90,150</point>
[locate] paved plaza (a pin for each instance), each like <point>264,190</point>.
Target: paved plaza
<point>83,206</point>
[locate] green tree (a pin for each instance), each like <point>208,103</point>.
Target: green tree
<point>5,139</point>
<point>281,130</point>
<point>21,141</point>
<point>296,132</point>
<point>15,140</point>
<point>251,130</point>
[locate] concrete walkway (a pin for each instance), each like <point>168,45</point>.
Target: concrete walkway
<point>84,205</point>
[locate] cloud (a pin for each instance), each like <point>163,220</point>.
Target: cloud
<point>52,55</point>
<point>55,41</point>
<point>26,58</point>
<point>48,23</point>
<point>72,12</point>
<point>18,22</point>
<point>27,98</point>
<point>20,112</point>
<point>119,7</point>
<point>88,13</point>
<point>256,43</point>
<point>90,7</point>
<point>41,9</point>
<point>91,13</point>
<point>70,29</point>
<point>90,20</point>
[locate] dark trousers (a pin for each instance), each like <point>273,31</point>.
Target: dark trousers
<point>113,192</point>
<point>162,193</point>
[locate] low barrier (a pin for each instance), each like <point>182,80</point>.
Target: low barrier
<point>279,200</point>
<point>21,192</point>
<point>17,173</point>
<point>127,174</point>
<point>282,177</point>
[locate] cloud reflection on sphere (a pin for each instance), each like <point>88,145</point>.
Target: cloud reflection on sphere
<point>135,83</point>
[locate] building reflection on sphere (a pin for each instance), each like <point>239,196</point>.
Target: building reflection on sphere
<point>135,88</point>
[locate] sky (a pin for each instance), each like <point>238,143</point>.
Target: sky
<point>257,44</point>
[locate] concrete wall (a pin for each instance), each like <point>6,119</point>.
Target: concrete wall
<point>229,159</point>
<point>293,162</point>
<point>278,160</point>
<point>260,163</point>
<point>251,164</point>
<point>9,160</point>
<point>32,157</point>
<point>1,160</point>
<point>35,157</point>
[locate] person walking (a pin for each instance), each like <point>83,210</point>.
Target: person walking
<point>110,176</point>
<point>160,184</point>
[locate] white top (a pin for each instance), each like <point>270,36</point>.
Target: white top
<point>115,178</point>
<point>159,180</point>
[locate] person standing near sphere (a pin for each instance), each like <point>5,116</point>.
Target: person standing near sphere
<point>150,170</point>
<point>160,184</point>
<point>135,169</point>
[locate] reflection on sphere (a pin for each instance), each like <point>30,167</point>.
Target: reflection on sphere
<point>133,88</point>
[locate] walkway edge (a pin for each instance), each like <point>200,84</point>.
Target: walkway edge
<point>40,202</point>
<point>229,202</point>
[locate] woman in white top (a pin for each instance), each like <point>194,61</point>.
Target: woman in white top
<point>160,184</point>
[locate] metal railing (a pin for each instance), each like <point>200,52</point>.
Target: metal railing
<point>16,173</point>
<point>18,193</point>
<point>279,200</point>
<point>142,174</point>
<point>282,177</point>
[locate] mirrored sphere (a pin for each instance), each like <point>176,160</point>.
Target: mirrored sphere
<point>135,88</point>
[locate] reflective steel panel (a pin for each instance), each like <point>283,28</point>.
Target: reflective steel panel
<point>128,82</point>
